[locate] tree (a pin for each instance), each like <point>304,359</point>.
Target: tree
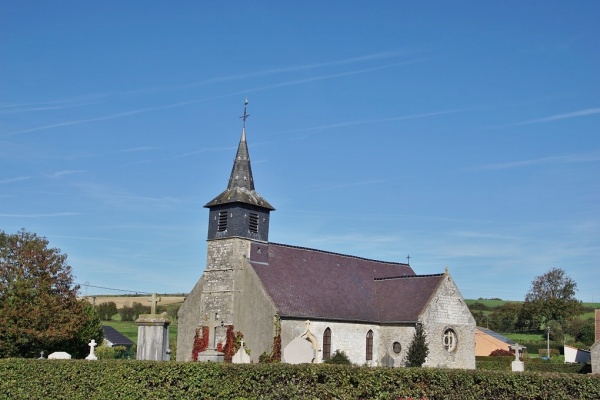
<point>582,330</point>
<point>418,349</point>
<point>552,296</point>
<point>132,313</point>
<point>39,308</point>
<point>504,318</point>
<point>106,310</point>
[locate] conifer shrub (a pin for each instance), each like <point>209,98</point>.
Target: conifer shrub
<point>418,349</point>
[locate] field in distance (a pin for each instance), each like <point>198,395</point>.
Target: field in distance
<point>122,301</point>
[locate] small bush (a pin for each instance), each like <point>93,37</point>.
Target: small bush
<point>339,357</point>
<point>501,353</point>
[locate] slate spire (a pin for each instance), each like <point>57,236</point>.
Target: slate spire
<point>240,188</point>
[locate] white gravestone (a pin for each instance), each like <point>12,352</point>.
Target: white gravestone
<point>517,365</point>
<point>59,355</point>
<point>92,356</point>
<point>299,351</point>
<point>241,357</point>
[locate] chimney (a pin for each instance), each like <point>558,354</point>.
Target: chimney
<point>597,336</point>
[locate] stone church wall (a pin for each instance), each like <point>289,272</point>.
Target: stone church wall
<point>345,336</point>
<point>253,313</point>
<point>395,334</point>
<point>229,291</point>
<point>188,319</point>
<point>447,311</point>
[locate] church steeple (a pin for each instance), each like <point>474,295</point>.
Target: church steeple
<point>240,210</point>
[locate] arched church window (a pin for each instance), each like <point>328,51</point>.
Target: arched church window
<point>450,340</point>
<point>327,344</point>
<point>369,345</point>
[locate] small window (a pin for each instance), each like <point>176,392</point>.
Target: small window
<point>222,223</point>
<point>369,345</point>
<point>397,347</point>
<point>450,340</point>
<point>327,344</point>
<point>253,222</point>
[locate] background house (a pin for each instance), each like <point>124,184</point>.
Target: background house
<point>487,341</point>
<point>113,338</point>
<point>575,355</point>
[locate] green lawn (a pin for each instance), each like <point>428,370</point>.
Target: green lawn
<point>524,337</point>
<point>489,303</point>
<point>129,329</point>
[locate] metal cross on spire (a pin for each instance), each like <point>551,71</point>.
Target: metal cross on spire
<point>245,116</point>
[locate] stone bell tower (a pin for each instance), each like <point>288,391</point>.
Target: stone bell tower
<point>239,211</point>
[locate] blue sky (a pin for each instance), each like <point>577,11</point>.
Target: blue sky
<point>465,134</point>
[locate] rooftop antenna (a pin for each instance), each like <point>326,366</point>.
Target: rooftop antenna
<point>245,116</point>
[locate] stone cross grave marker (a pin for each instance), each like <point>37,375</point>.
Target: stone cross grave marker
<point>517,365</point>
<point>92,356</point>
<point>212,329</point>
<point>517,348</point>
<point>154,300</point>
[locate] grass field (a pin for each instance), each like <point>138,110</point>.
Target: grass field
<point>525,337</point>
<point>489,303</point>
<point>122,301</point>
<point>130,329</point>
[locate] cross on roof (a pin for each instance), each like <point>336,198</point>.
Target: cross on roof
<point>408,259</point>
<point>245,116</point>
<point>154,300</point>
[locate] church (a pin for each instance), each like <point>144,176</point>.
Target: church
<point>302,304</point>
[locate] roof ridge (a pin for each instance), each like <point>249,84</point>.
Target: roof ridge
<point>407,276</point>
<point>339,254</point>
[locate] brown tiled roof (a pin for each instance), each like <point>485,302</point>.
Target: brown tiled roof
<point>308,283</point>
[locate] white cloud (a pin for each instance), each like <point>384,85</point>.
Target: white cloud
<point>16,179</point>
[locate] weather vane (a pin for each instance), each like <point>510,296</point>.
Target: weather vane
<point>245,116</point>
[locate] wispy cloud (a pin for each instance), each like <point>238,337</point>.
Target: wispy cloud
<point>564,159</point>
<point>558,117</point>
<point>65,172</point>
<point>267,72</point>
<point>190,102</point>
<point>349,184</point>
<point>323,77</point>
<point>139,149</point>
<point>59,214</point>
<point>94,98</point>
<point>104,118</point>
<point>378,120</point>
<point>121,199</point>
<point>16,179</point>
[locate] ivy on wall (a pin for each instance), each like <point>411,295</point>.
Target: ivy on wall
<point>200,341</point>
<point>275,355</point>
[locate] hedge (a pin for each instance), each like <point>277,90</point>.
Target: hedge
<point>109,379</point>
<point>534,365</point>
